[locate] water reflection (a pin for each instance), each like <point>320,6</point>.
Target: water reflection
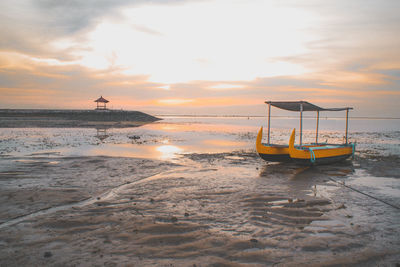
<point>299,172</point>
<point>102,133</point>
<point>168,151</point>
<point>224,143</point>
<point>300,180</point>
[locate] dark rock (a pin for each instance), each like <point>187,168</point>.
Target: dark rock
<point>72,118</point>
<point>47,254</point>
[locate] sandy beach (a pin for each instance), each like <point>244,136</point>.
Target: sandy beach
<point>192,192</point>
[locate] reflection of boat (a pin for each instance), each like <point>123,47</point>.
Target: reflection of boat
<point>309,153</point>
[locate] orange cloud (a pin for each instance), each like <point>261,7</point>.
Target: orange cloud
<point>350,79</point>
<point>225,86</point>
<point>324,91</point>
<point>207,102</point>
<point>174,101</point>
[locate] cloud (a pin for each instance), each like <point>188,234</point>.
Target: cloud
<point>30,27</point>
<point>37,85</point>
<point>146,29</point>
<point>28,83</point>
<point>225,86</point>
<point>175,101</point>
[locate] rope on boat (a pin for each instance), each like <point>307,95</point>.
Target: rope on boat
<point>354,149</point>
<point>365,194</point>
<point>312,158</point>
<point>312,153</point>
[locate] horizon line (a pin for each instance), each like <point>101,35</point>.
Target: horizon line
<point>277,116</point>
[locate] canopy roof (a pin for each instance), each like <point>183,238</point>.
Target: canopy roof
<point>295,106</point>
<point>101,99</point>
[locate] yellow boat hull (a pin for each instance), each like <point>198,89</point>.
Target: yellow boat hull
<point>274,152</point>
<point>319,154</point>
<point>271,152</point>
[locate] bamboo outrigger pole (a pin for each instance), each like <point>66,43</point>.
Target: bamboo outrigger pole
<point>316,134</point>
<point>269,119</point>
<point>301,123</point>
<point>347,123</point>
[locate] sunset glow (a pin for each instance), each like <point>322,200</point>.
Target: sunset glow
<point>176,44</point>
<point>211,57</point>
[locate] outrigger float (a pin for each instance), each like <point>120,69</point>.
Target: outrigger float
<point>314,153</point>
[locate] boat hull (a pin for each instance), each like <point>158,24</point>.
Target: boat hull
<point>275,157</point>
<point>271,152</point>
<point>321,161</point>
<point>324,154</point>
<point>274,152</point>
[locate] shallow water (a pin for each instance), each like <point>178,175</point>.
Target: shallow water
<point>190,190</point>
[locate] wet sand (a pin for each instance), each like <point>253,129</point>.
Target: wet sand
<point>204,214</point>
<point>196,209</point>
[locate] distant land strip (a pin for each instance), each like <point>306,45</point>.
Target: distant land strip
<point>50,118</point>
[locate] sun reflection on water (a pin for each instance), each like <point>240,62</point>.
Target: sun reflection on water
<point>168,151</point>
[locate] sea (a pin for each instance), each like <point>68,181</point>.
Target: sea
<point>193,134</point>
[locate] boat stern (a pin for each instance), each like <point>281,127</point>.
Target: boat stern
<point>271,152</point>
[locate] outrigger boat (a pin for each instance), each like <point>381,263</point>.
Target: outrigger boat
<point>315,153</point>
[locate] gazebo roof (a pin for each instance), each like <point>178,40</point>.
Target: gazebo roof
<point>101,99</point>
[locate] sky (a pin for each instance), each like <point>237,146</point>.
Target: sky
<point>213,57</point>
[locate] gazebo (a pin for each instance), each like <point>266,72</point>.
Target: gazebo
<point>101,103</point>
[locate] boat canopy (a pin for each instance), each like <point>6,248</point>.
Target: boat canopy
<point>301,106</point>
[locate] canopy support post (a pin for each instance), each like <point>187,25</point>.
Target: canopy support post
<point>301,124</point>
<point>347,124</point>
<point>269,121</point>
<point>316,134</point>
